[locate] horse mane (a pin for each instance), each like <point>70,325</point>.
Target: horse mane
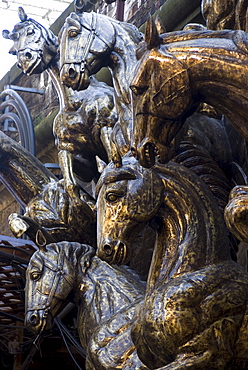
<point>132,30</point>
<point>47,34</point>
<point>203,165</point>
<point>135,35</point>
<point>189,207</point>
<point>78,253</point>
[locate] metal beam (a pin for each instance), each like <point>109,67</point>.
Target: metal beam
<point>174,12</point>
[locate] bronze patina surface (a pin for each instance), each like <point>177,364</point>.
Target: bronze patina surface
<point>161,202</point>
<point>86,118</point>
<point>90,41</point>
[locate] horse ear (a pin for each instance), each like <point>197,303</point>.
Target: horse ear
<point>101,165</point>
<point>151,35</point>
<point>40,240</point>
<point>79,6</point>
<point>5,34</point>
<point>22,15</point>
<point>159,25</point>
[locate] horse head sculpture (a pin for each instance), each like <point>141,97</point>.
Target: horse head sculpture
<point>34,45</point>
<point>190,270</point>
<point>106,298</point>
<point>86,41</point>
<point>51,275</point>
<point>90,41</point>
<point>177,72</point>
<point>127,197</point>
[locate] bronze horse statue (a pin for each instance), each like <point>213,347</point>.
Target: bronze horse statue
<point>106,298</point>
<point>178,71</point>
<point>90,41</point>
<point>196,299</point>
<point>189,67</point>
<point>43,197</point>
<point>84,123</point>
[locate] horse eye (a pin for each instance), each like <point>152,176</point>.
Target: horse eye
<point>73,33</point>
<point>138,90</point>
<point>30,31</point>
<point>35,275</point>
<point>112,197</point>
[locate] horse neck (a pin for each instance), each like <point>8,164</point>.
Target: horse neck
<point>218,75</point>
<point>122,64</point>
<point>192,233</point>
<point>105,291</point>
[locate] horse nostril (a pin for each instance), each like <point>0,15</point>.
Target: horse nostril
<point>107,249</point>
<point>72,72</point>
<point>33,319</point>
<point>28,55</point>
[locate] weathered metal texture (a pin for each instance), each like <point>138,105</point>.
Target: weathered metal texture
<point>221,15</point>
<point>106,298</point>
<point>80,126</point>
<point>192,313</point>
<point>189,270</point>
<point>43,197</point>
<point>90,41</point>
<point>177,72</point>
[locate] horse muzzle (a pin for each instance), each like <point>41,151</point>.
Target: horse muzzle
<point>115,252</point>
<point>29,61</point>
<point>147,152</point>
<point>38,320</point>
<point>72,76</point>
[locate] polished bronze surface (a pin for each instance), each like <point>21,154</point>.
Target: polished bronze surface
<point>90,41</point>
<point>165,213</point>
<point>177,72</point>
<point>85,121</point>
<point>221,14</point>
<point>106,298</point>
<point>191,275</point>
<point>43,197</point>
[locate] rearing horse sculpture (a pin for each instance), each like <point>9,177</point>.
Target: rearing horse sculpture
<point>194,313</point>
<point>189,67</point>
<point>86,118</point>
<point>90,41</point>
<point>43,197</point>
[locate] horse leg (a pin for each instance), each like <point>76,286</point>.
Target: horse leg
<point>66,165</point>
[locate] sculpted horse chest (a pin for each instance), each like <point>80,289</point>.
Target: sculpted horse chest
<point>86,118</point>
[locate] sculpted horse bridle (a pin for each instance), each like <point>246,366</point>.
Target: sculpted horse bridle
<point>82,46</point>
<point>46,303</point>
<point>31,59</point>
<point>85,46</point>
